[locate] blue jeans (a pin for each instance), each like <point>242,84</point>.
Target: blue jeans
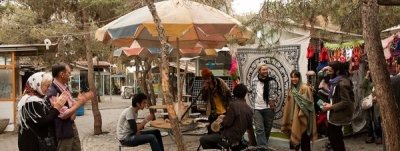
<point>374,124</point>
<point>148,136</point>
<point>263,120</point>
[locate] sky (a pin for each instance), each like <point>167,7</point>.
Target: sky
<point>246,6</point>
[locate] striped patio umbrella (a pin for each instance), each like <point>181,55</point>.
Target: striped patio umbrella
<point>185,22</point>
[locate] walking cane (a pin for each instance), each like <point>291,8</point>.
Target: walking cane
<point>191,103</point>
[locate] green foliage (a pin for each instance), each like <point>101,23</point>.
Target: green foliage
<point>219,4</point>
<point>346,14</point>
<point>32,21</point>
<point>17,25</point>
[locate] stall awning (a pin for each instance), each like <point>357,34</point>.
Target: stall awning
<point>29,49</point>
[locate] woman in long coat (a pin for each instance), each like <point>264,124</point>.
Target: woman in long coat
<point>299,115</point>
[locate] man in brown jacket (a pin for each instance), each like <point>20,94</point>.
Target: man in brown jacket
<point>340,109</point>
<point>217,95</point>
<point>238,119</point>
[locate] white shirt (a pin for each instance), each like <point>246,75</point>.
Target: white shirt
<point>259,103</point>
<point>123,127</point>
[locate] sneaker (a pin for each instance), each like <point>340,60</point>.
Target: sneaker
<point>370,140</point>
<point>378,141</point>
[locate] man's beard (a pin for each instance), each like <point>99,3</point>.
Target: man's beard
<point>262,76</point>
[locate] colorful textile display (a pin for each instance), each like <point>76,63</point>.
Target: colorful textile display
<point>324,54</point>
<point>336,55</point>
<point>357,51</point>
<point>234,72</point>
<point>342,58</point>
<point>310,51</point>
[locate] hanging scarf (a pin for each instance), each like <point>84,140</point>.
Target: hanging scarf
<point>305,105</point>
<point>265,80</point>
<point>32,93</point>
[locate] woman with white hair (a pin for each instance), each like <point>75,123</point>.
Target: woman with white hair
<point>36,115</point>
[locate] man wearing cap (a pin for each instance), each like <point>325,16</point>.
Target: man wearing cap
<point>263,104</point>
<point>217,95</point>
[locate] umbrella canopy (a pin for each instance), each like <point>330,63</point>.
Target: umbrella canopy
<point>143,52</point>
<point>186,25</point>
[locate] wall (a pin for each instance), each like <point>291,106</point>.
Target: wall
<point>6,111</point>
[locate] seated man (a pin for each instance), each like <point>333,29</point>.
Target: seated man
<point>129,133</point>
<point>238,119</point>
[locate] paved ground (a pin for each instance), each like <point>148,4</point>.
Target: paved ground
<point>110,111</point>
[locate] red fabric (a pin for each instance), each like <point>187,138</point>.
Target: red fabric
<point>355,63</point>
<point>336,55</point>
<point>342,58</point>
<point>322,118</point>
<point>310,51</point>
<point>324,55</point>
<point>356,52</point>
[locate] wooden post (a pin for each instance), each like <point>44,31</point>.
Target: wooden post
<point>14,87</point>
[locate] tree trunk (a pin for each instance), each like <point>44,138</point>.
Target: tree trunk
<point>98,74</point>
<point>151,89</point>
<point>228,7</point>
<point>389,2</point>
<point>89,57</point>
<point>143,81</point>
<point>136,82</point>
<point>380,75</point>
<point>165,78</point>
<point>146,69</point>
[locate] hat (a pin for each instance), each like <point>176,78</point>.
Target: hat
<point>260,65</point>
<point>205,73</point>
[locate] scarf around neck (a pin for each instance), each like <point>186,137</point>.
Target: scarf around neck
<point>333,83</point>
<point>32,93</point>
<point>265,80</point>
<point>306,106</point>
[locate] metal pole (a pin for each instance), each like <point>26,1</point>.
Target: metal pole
<point>197,67</point>
<point>110,82</point>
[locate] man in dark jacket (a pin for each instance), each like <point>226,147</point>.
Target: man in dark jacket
<point>217,95</point>
<point>340,109</point>
<point>238,119</point>
<point>66,132</point>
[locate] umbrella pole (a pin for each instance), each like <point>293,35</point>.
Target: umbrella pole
<point>197,66</point>
<point>178,79</point>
